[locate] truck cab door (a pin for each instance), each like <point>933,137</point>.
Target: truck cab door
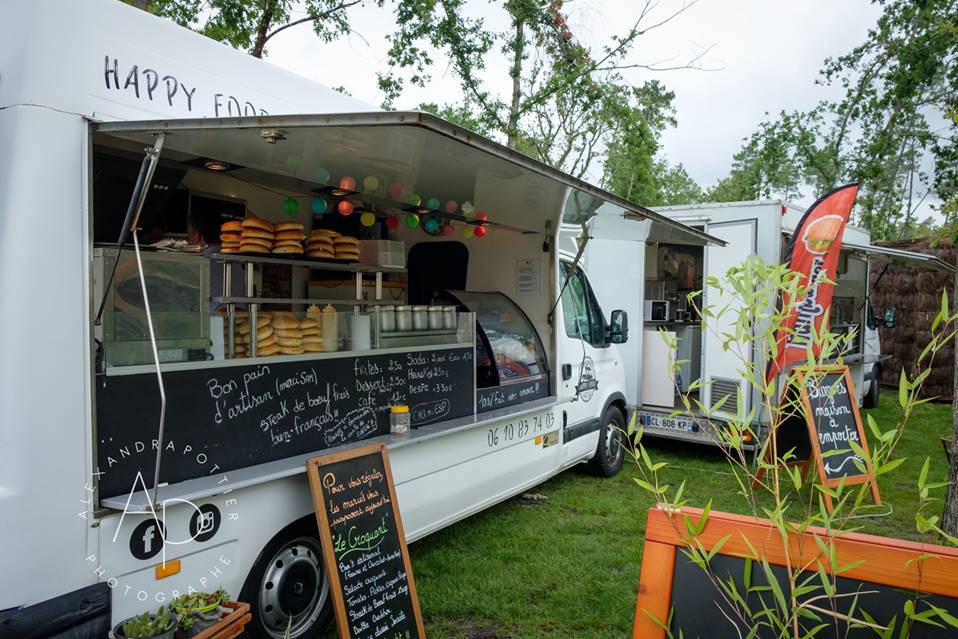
<point>588,366</point>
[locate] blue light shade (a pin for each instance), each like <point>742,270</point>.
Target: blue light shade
<point>432,203</point>
<point>431,224</point>
<point>321,175</point>
<point>319,206</point>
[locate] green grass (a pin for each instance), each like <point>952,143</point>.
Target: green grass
<point>569,566</point>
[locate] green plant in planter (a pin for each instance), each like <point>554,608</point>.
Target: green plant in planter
<point>197,603</point>
<point>147,625</point>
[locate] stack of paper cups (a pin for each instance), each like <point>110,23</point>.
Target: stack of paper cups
<point>359,332</point>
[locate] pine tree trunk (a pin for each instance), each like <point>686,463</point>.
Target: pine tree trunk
<point>949,518</point>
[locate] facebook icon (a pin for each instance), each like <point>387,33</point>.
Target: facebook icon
<point>146,541</point>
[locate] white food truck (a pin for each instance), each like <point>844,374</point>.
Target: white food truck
<point>159,404</point>
<point>654,292</point>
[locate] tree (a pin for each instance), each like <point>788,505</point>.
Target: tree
<point>765,167</point>
<point>250,24</point>
<point>885,130</point>
<point>675,186</point>
<point>566,101</point>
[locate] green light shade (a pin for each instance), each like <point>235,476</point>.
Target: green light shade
<point>414,199</point>
<point>412,220</point>
<point>467,231</point>
<point>370,182</point>
<point>293,163</point>
<point>290,206</point>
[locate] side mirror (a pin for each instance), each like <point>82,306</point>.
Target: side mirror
<point>889,318</point>
<point>619,327</point>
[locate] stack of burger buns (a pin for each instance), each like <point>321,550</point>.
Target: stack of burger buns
<point>312,327</point>
<point>278,333</point>
<point>289,336</point>
<point>346,248</point>
<point>320,243</point>
<point>288,238</point>
<point>230,236</point>
<point>257,235</point>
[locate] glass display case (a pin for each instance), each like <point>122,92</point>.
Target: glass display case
<point>508,349</point>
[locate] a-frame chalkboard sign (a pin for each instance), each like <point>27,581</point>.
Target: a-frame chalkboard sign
<point>818,425</point>
<point>364,547</point>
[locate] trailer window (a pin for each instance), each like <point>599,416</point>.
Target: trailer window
<point>580,311</point>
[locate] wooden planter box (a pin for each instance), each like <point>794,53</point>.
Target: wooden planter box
<point>229,626</point>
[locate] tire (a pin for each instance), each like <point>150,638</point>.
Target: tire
<point>870,400</point>
<point>288,577</point>
<point>610,451</point>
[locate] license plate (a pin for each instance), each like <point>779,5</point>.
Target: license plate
<point>658,420</point>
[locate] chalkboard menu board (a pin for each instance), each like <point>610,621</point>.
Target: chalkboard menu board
<point>878,576</point>
<point>364,547</point>
<point>819,421</point>
<point>836,424</point>
<point>227,417</point>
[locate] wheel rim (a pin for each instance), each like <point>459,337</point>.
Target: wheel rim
<point>293,588</point>
<point>613,445</point>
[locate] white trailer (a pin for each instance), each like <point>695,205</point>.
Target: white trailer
<point>89,90</point>
<point>651,286</point>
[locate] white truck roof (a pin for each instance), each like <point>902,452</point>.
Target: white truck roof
<point>165,71</point>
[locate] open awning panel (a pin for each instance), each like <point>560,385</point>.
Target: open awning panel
<point>428,156</point>
<point>898,256</point>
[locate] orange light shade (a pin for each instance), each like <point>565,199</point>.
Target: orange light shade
<point>168,569</point>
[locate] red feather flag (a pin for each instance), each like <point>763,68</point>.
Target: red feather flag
<point>813,252</point>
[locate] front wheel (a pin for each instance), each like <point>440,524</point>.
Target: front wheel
<point>609,453</point>
<point>870,400</point>
<point>287,587</point>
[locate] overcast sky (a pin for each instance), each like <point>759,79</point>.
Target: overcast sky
<point>767,52</point>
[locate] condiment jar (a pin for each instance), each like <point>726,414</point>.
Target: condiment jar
<point>403,318</point>
<point>435,318</point>
<point>420,318</point>
<point>387,319</point>
<point>449,318</point>
<point>399,420</point>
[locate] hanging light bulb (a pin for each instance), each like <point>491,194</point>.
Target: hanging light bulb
<point>321,175</point>
<point>345,207</point>
<point>319,206</point>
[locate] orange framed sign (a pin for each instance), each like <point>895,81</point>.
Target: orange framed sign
<point>675,593</point>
